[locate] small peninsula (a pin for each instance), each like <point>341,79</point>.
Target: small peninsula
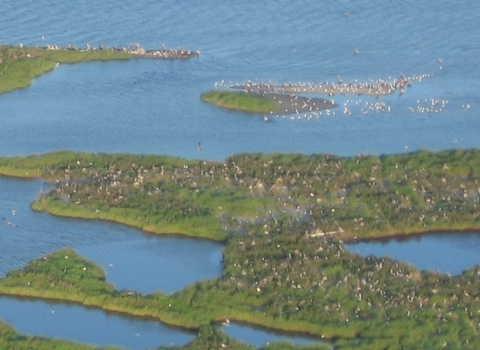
<point>19,65</point>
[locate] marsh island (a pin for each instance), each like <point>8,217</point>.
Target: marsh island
<point>283,218</point>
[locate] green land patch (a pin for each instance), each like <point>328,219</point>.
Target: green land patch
<point>357,197</point>
<point>286,281</point>
<point>239,100</point>
<point>282,218</point>
<point>20,65</point>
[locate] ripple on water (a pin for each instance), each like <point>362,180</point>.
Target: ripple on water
<point>167,263</point>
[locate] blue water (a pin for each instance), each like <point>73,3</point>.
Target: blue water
<point>259,337</point>
<point>54,320</point>
<point>448,253</point>
<point>132,260</point>
<point>150,106</point>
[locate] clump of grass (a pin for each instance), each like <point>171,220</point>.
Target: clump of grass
<point>241,101</point>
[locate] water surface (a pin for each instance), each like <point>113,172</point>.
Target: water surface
<point>82,325</point>
<point>151,106</point>
<point>260,337</point>
<point>132,259</point>
<point>449,253</point>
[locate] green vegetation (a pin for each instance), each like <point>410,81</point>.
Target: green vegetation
<point>363,197</point>
<point>287,280</point>
<point>11,339</point>
<point>20,65</point>
<point>282,218</point>
<point>238,100</point>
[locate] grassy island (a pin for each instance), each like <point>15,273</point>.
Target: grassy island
<point>239,100</point>
<point>266,102</point>
<point>283,218</point>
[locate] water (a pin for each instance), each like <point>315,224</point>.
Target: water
<point>149,106</point>
<point>133,260</point>
<point>259,337</point>
<point>55,320</point>
<point>449,253</point>
<point>147,264</point>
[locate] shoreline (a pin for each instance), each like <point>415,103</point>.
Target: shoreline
<point>135,50</point>
<point>111,203</point>
<point>37,206</point>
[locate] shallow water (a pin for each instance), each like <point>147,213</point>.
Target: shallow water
<point>132,259</point>
<point>449,253</point>
<point>71,322</point>
<point>259,337</point>
<point>152,106</point>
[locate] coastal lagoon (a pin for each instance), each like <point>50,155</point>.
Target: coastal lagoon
<point>153,106</point>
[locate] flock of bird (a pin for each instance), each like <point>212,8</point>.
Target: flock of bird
<point>354,106</point>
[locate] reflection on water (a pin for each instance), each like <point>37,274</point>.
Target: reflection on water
<point>259,337</point>
<point>70,322</point>
<point>447,252</point>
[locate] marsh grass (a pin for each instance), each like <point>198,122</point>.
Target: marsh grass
<point>325,302</point>
<point>241,101</point>
<point>367,197</point>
